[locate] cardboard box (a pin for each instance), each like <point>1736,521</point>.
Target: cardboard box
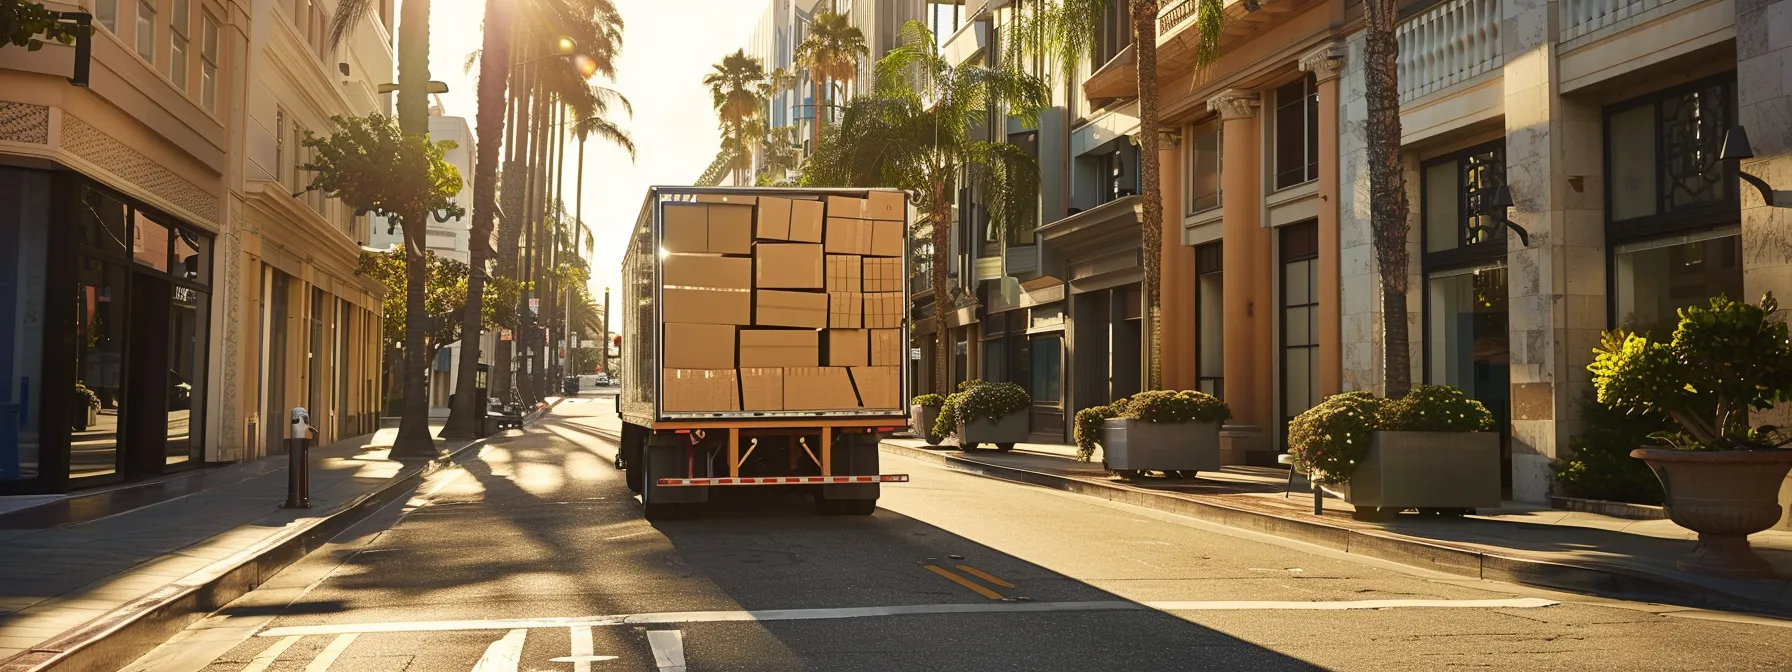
<point>886,239</point>
<point>886,347</point>
<point>881,274</point>
<point>684,227</point>
<point>697,346</point>
<point>848,236</point>
<point>778,308</point>
<point>773,219</point>
<point>886,205</point>
<point>846,206</point>
<point>844,271</point>
<point>788,266</point>
<point>846,310</point>
<point>706,306</point>
<point>878,386</point>
<point>849,347</point>
<point>706,271</point>
<point>727,198</point>
<point>761,389</point>
<point>731,229</point>
<point>805,221</point>
<point>883,310</point>
<point>763,348</point>
<point>692,390</point>
<point>818,388</point>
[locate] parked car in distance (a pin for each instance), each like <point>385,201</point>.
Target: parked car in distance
<point>603,379</point>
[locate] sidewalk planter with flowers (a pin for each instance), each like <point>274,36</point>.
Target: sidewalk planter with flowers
<point>923,412</point>
<point>1174,433</point>
<point>1721,474</point>
<point>87,408</point>
<point>1432,450</point>
<point>982,412</point>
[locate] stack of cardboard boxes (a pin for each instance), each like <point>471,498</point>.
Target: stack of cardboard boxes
<point>781,304</point>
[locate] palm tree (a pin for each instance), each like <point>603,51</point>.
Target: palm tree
<point>831,52</point>
<point>783,152</point>
<point>736,88</point>
<point>1387,188</point>
<point>915,133</point>
<point>1066,33</point>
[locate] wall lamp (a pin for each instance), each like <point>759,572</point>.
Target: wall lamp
<point>1736,149</point>
<point>1497,204</point>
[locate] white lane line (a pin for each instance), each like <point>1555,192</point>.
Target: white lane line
<point>670,617</point>
<point>324,660</point>
<point>668,649</point>
<point>503,655</point>
<point>1226,605</point>
<point>265,659</point>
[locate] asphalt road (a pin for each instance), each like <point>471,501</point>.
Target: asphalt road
<point>534,556</point>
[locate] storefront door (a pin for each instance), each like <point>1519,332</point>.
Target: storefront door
<point>1469,343</point>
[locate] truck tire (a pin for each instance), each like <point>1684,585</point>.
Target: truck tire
<point>652,511</point>
<point>628,456</point>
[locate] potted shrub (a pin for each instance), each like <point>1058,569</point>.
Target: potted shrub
<point>923,412</point>
<point>982,412</point>
<point>1432,450</point>
<point>1172,432</point>
<point>86,408</point>
<point>1721,474</point>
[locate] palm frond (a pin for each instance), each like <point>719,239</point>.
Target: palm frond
<point>348,13</point>
<point>606,130</point>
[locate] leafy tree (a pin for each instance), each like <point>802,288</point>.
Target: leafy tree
<point>374,168</point>
<point>447,283</point>
<point>831,52</point>
<point>920,139</point>
<point>22,23</point>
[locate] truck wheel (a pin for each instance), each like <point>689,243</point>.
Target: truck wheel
<point>844,507</point>
<point>651,510</point>
<point>1004,447</point>
<point>633,476</point>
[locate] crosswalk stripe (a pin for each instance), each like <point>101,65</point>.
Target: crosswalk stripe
<point>265,659</point>
<point>503,655</point>
<point>668,649</point>
<point>324,660</point>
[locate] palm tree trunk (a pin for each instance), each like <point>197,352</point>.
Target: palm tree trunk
<point>1151,233</point>
<point>814,111</point>
<point>1387,191</point>
<point>941,233</point>
<point>510,228</point>
<point>494,75</point>
<point>413,118</point>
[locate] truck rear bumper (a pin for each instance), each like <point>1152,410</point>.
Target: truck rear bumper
<point>780,480</point>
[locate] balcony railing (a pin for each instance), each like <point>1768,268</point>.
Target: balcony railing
<point>1450,43</point>
<point>1580,17</point>
<point>1174,16</point>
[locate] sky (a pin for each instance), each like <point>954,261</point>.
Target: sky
<point>667,47</point>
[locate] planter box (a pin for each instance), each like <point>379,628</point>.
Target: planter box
<point>1004,431</point>
<point>1446,470</point>
<point>1136,445</point>
<point>920,420</point>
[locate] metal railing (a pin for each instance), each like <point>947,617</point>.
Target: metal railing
<point>1580,17</point>
<point>1174,16</point>
<point>1450,43</point>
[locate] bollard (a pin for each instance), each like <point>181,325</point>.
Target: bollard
<point>298,471</point>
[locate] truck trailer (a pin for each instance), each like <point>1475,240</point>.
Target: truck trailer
<point>764,344</point>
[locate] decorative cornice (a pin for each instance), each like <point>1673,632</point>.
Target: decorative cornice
<point>1168,138</point>
<point>1326,62</point>
<point>1234,104</point>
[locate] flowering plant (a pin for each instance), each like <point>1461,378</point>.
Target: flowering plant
<point>1156,406</point>
<point>928,400</point>
<point>1330,439</point>
<point>978,399</point>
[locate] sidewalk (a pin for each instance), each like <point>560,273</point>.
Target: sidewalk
<point>80,570</point>
<point>1521,543</point>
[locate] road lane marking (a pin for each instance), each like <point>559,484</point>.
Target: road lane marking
<point>1232,605</point>
<point>581,648</point>
<point>262,661</point>
<point>324,660</point>
<point>668,649</point>
<point>967,583</point>
<point>863,612</point>
<point>503,655</point>
<point>986,576</point>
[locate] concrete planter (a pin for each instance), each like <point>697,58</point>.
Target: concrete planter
<point>921,419</point>
<point>1004,431</point>
<point>1427,470</point>
<point>1136,445</point>
<point>1724,495</point>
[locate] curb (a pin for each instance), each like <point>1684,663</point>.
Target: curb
<point>126,633</point>
<point>1603,581</point>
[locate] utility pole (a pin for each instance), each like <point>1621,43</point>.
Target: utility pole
<point>603,347</point>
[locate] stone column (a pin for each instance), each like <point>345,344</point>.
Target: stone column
<point>1178,271</point>
<point>1245,258</point>
<point>1556,286</point>
<point>1326,63</point>
<point>1763,64</point>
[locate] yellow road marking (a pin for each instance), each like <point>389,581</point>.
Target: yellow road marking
<point>967,583</point>
<point>986,576</point>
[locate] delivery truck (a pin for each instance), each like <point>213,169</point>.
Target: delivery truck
<point>763,345</point>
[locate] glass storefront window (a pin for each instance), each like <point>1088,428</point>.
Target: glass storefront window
<point>100,323</point>
<point>103,222</point>
<point>1047,370</point>
<point>24,235</point>
<point>1204,167</point>
<point>1653,279</point>
<point>1210,316</point>
<point>192,257</point>
<point>188,326</point>
<point>1466,337</point>
<point>149,241</point>
<point>1300,318</point>
<point>1662,149</point>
